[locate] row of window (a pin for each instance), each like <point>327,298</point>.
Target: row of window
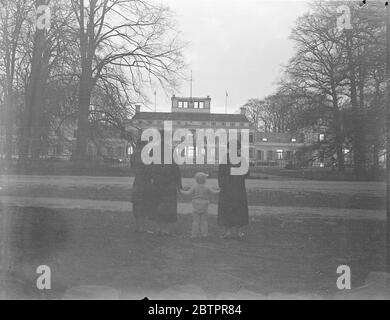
<point>266,140</point>
<point>270,155</point>
<point>185,104</point>
<point>231,124</point>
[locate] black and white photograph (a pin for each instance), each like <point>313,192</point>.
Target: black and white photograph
<point>217,150</point>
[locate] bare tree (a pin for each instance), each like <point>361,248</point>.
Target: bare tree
<point>317,67</point>
<point>13,14</point>
<point>125,43</point>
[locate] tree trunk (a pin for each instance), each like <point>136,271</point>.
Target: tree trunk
<point>8,123</point>
<point>87,51</point>
<point>338,126</point>
<point>83,122</point>
<point>339,142</point>
<point>357,135</point>
<point>33,97</point>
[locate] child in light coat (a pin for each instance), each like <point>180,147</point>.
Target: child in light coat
<point>201,194</point>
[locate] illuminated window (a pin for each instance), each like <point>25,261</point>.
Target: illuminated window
<point>279,154</point>
<point>264,139</point>
<point>293,140</point>
<point>185,104</point>
<point>190,151</point>
<point>180,104</point>
<point>201,105</point>
<point>322,137</point>
<point>196,104</point>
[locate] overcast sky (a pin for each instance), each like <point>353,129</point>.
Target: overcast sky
<point>238,46</point>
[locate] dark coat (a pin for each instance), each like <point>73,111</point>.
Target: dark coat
<point>143,191</point>
<point>233,203</point>
<point>167,182</point>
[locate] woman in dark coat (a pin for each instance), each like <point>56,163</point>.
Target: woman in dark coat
<point>143,193</point>
<point>233,203</point>
<point>167,183</point>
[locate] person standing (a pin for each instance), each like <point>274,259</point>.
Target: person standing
<point>201,194</point>
<point>233,203</point>
<point>167,183</point>
<point>142,195</point>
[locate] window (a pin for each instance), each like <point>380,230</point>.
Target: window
<point>264,139</point>
<point>279,154</point>
<point>190,152</point>
<point>270,155</point>
<point>322,137</point>
<point>260,155</point>
<point>288,155</point>
<point>185,104</point>
<point>251,137</point>
<point>201,105</point>
<point>293,140</point>
<point>196,104</point>
<point>180,104</point>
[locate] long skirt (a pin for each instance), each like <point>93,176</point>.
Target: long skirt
<point>233,210</point>
<point>144,208</point>
<point>166,209</point>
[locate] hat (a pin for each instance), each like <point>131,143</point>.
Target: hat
<point>200,177</point>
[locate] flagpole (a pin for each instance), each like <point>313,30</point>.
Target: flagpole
<point>226,101</point>
<point>155,101</point>
<point>191,86</point>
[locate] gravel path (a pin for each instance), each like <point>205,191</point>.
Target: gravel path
<point>347,187</point>
<point>184,208</point>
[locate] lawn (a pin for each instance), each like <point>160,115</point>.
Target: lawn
<point>280,254</point>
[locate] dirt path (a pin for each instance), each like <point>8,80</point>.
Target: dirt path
<point>185,208</point>
<point>345,187</point>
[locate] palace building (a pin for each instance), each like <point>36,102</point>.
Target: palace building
<point>192,113</point>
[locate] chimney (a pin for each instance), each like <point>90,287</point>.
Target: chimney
<point>137,108</point>
<point>243,111</point>
<point>174,102</point>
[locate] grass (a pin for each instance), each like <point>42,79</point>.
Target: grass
<point>279,254</point>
